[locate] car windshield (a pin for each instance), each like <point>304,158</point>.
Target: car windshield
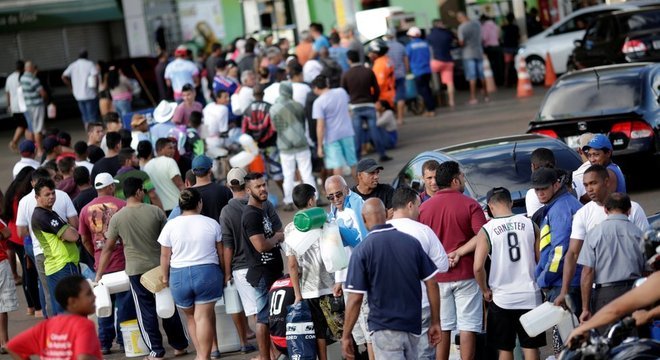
<point>592,94</point>
<point>641,21</point>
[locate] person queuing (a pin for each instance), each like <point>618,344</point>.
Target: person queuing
<point>419,55</point>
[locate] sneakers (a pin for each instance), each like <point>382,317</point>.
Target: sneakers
<point>215,354</point>
<point>247,348</point>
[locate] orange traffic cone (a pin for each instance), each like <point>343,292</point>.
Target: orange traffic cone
<point>550,76</point>
<point>488,75</point>
<point>524,83</point>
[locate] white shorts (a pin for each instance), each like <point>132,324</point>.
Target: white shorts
<point>461,306</point>
<point>361,333</point>
<point>246,291</point>
<point>8,299</point>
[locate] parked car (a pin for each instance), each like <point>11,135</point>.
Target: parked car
<point>503,161</point>
<point>558,40</point>
<point>621,101</point>
<point>619,37</point>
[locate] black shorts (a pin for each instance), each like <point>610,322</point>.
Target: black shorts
<point>318,318</point>
<point>19,120</point>
<point>504,325</point>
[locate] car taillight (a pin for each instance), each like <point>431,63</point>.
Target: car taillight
<point>633,129</point>
<point>546,132</point>
<point>633,46</point>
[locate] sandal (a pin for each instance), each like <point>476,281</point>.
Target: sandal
<point>178,353</point>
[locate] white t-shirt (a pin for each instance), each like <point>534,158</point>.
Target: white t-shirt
<point>513,262</point>
<point>241,99</point>
<point>79,72</point>
<point>86,164</point>
<point>578,184</point>
<point>12,86</point>
<point>23,162</point>
<point>193,240</point>
<point>181,72</point>
<point>532,203</point>
<point>216,120</point>
<point>63,207</point>
<point>161,170</point>
<point>430,243</point>
<point>593,214</point>
<point>300,91</point>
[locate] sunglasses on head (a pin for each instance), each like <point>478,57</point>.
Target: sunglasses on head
<point>338,195</point>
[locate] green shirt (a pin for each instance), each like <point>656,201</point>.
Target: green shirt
<point>48,228</point>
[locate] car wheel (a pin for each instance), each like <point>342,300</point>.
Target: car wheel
<point>536,69</point>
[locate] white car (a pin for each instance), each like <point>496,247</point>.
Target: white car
<point>558,40</point>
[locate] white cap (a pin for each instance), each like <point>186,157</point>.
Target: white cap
<point>414,32</point>
<point>164,111</point>
<point>104,179</point>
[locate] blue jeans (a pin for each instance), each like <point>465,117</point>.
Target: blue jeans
<point>122,107</point>
<point>53,279</point>
<point>109,327</point>
<point>367,114</point>
<point>89,110</point>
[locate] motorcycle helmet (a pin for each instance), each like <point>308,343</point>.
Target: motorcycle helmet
<point>378,46</point>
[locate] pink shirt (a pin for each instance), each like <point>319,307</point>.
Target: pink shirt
<point>182,113</point>
<point>490,34</point>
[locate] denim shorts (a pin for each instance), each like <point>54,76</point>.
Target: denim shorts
<point>400,88</point>
<point>339,153</point>
<point>474,69</point>
<point>199,284</point>
<point>461,306</point>
<point>262,299</point>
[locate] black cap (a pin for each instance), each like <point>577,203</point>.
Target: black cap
<point>50,143</point>
<point>497,190</point>
<point>544,177</point>
<point>368,165</point>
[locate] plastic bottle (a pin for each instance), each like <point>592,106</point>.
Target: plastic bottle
<point>232,299</point>
<point>103,302</point>
<point>333,253</point>
<point>541,319</point>
<point>308,219</point>
<point>165,304</point>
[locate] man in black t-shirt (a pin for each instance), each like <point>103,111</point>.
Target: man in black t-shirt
<point>110,163</point>
<point>262,235</point>
<point>215,195</point>
<point>368,174</point>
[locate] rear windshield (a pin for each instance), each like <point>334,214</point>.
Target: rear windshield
<point>641,21</point>
<point>585,96</point>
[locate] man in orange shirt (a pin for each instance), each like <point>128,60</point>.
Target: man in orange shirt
<point>304,49</point>
<point>383,69</point>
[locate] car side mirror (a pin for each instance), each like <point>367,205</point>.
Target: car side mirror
<point>577,43</point>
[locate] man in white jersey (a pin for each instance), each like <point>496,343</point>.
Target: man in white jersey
<point>512,242</point>
<point>596,182</point>
<point>405,207</point>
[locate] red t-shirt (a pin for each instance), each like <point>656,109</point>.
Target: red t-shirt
<point>12,224</point>
<point>60,337</point>
<point>3,243</point>
<point>455,218</point>
<point>94,221</point>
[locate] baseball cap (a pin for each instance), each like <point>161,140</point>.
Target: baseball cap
<point>237,174</point>
<point>598,142</point>
<point>368,165</point>
<point>26,146</point>
<point>50,143</point>
<point>544,177</point>
<point>584,139</point>
<point>104,179</point>
<point>181,50</point>
<point>414,32</point>
<point>201,164</point>
<point>497,190</point>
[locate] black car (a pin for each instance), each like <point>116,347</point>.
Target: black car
<point>619,37</point>
<point>503,161</point>
<point>620,101</point>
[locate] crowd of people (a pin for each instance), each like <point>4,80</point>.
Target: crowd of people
<point>149,197</point>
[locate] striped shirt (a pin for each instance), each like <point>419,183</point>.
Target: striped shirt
<point>31,88</point>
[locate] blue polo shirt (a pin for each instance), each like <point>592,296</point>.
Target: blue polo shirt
<point>419,56</point>
<point>388,266</point>
<point>321,42</point>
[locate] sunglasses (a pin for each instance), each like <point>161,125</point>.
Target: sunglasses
<point>338,195</point>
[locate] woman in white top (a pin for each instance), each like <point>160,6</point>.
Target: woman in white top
<point>191,250</point>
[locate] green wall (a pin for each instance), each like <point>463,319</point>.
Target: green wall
<point>233,19</point>
<point>322,11</point>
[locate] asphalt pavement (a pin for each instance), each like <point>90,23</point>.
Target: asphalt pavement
<point>503,115</point>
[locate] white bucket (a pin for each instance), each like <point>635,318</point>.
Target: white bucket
<point>133,344</point>
<point>116,282</point>
<point>248,144</point>
<point>541,319</point>
<point>165,304</point>
<point>232,299</point>
<point>103,302</point>
<point>228,340</point>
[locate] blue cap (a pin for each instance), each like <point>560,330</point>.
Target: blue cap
<point>26,146</point>
<point>598,142</point>
<point>201,164</point>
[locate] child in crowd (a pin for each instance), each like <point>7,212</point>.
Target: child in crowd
<point>70,333</point>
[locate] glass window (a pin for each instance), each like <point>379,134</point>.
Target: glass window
<point>601,31</point>
<point>578,23</point>
<point>641,21</point>
<point>585,96</point>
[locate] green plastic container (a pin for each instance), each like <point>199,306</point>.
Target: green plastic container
<point>309,219</point>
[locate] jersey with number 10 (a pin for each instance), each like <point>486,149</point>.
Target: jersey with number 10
<point>513,262</point>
